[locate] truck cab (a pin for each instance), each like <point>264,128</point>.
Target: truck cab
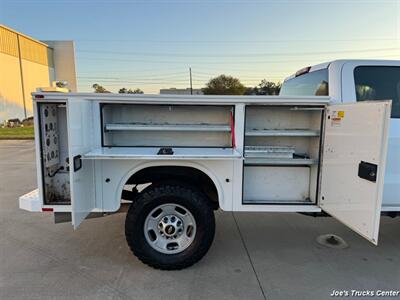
<point>346,81</point>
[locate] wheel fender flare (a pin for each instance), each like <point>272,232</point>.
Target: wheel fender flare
<point>191,164</point>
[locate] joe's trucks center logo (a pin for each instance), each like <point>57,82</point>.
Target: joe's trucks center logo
<point>365,293</point>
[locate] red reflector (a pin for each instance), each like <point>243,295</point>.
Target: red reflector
<point>233,131</point>
<point>39,96</point>
<point>44,209</point>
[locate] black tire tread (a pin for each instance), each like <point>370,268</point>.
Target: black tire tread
<point>197,198</point>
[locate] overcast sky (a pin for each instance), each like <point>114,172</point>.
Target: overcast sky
<point>151,44</point>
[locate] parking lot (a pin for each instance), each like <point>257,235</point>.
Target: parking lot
<point>254,256</point>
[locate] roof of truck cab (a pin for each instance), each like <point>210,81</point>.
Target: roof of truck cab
<point>182,99</point>
<point>366,62</point>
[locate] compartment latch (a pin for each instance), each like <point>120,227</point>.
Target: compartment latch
<point>77,162</point>
<point>367,171</point>
<point>165,151</point>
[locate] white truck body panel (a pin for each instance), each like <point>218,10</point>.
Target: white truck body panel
<point>99,172</point>
<point>360,133</point>
<point>31,201</point>
<point>80,137</point>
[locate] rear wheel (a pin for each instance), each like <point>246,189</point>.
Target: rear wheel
<point>170,226</point>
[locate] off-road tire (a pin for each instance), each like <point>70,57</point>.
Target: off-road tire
<point>191,199</point>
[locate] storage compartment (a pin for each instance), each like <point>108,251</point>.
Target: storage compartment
<point>282,154</point>
<point>166,125</point>
<point>276,184</point>
<point>54,153</point>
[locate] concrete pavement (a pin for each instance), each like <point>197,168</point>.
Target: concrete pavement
<point>254,256</point>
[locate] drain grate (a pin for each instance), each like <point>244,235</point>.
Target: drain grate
<point>332,241</point>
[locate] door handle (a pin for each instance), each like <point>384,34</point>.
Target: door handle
<point>77,162</point>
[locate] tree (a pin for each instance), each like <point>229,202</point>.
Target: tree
<point>224,85</point>
<point>135,91</point>
<point>126,91</point>
<point>269,88</point>
<point>265,88</point>
<point>99,89</point>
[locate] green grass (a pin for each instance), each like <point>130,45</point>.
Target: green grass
<point>17,133</point>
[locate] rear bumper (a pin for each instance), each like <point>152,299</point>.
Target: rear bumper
<point>31,201</point>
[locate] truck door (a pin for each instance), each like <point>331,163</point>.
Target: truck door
<point>353,164</point>
<point>80,136</point>
<point>379,80</point>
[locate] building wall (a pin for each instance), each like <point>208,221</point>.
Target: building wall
<point>10,76</point>
<point>64,62</point>
<point>34,76</point>
<point>25,65</point>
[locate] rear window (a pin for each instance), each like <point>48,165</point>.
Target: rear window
<point>309,84</point>
<point>378,83</point>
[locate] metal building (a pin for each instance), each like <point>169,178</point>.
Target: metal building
<point>26,64</point>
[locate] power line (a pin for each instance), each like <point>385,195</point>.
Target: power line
<point>158,82</point>
<point>211,72</point>
<point>225,68</point>
<point>105,81</point>
<point>145,72</point>
<point>246,55</point>
<point>202,63</point>
<point>308,41</point>
<point>141,82</point>
<point>268,74</point>
<point>210,1</point>
<point>137,76</point>
<point>182,83</point>
<point>198,78</point>
<point>217,69</point>
<point>187,2</point>
<point>147,77</point>
<point>155,72</point>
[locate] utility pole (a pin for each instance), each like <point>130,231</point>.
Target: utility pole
<point>191,86</point>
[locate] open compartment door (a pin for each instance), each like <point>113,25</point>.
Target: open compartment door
<point>80,134</point>
<point>353,165</point>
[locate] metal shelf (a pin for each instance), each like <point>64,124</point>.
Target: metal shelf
<point>168,127</point>
<point>255,161</point>
<point>150,153</point>
<point>305,201</point>
<point>272,152</point>
<point>282,132</point>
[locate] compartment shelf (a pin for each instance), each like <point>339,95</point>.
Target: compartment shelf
<point>269,151</point>
<point>300,202</point>
<point>145,153</point>
<point>257,161</point>
<point>282,132</point>
<point>167,127</point>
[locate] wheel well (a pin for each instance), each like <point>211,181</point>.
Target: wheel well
<point>188,175</point>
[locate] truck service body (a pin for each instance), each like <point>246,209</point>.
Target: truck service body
<point>178,158</point>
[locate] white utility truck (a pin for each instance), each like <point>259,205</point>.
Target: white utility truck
<point>178,158</point>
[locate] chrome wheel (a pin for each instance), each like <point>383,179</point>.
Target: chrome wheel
<point>170,228</point>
